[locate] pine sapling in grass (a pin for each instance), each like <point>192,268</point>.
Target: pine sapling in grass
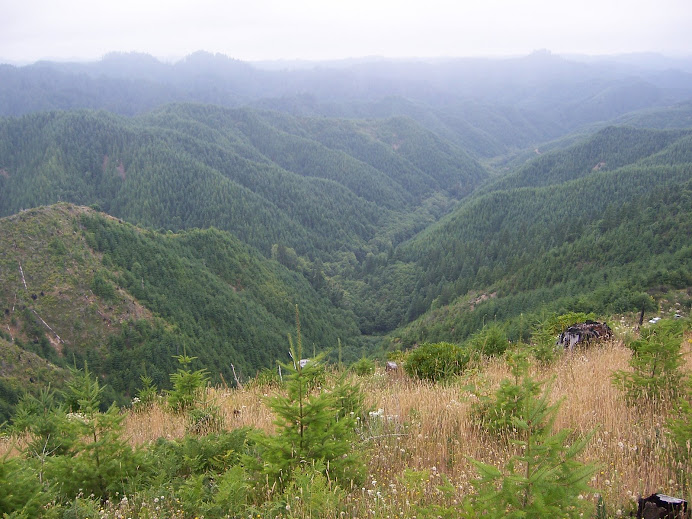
<point>100,461</point>
<point>313,429</point>
<point>656,363</point>
<point>188,386</point>
<point>497,413</point>
<point>544,479</point>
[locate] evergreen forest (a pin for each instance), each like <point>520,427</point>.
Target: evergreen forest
<point>231,253</point>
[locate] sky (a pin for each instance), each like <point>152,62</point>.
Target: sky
<point>253,30</point>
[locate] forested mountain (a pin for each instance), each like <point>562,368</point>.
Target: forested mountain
<point>354,190</point>
<point>318,187</point>
<point>595,227</point>
<point>487,106</point>
<point>77,285</point>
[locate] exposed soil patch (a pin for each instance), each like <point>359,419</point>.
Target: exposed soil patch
<point>121,170</point>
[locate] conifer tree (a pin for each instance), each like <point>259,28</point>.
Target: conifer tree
<point>313,426</point>
<point>544,479</point>
<point>656,361</point>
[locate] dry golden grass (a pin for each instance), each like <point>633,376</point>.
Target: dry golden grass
<point>426,427</point>
<point>422,426</point>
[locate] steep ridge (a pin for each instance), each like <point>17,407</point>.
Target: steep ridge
<point>79,286</point>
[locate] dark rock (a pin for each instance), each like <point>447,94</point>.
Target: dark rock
<point>661,506</point>
<point>583,333</point>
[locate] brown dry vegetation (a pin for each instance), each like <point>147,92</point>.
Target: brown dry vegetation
<point>426,427</point>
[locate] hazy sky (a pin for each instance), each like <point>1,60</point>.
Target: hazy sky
<point>325,29</point>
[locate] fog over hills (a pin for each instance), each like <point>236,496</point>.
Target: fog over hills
<point>487,106</point>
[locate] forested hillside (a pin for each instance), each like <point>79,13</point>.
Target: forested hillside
<point>599,227</point>
<point>79,286</point>
<point>267,179</point>
<point>395,203</point>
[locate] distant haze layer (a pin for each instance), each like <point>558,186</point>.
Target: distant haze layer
<point>317,30</point>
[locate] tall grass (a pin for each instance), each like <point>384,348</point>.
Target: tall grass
<point>420,435</point>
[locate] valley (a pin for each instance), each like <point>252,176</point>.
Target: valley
<point>171,234</point>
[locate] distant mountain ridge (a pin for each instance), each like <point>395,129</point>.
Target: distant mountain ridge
<point>475,103</point>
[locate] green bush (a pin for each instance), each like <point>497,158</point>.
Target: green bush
<point>266,377</point>
<point>363,367</point>
<point>490,341</point>
<point>188,386</point>
<point>436,361</point>
<point>545,478</point>
<point>102,287</point>
<point>656,361</point>
<point>312,428</point>
<point>22,495</point>
<point>192,455</point>
<point>512,401</point>
<point>680,427</point>
<point>100,461</point>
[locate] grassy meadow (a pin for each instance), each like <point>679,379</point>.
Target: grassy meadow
<point>418,438</point>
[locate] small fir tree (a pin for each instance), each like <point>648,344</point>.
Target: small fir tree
<point>188,386</point>
<point>313,427</point>
<point>656,363</point>
<point>544,479</point>
<point>100,461</point>
<point>511,401</point>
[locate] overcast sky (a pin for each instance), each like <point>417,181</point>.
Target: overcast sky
<point>325,29</point>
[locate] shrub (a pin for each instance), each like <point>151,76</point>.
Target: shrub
<point>363,367</point>
<point>490,341</point>
<point>680,427</point>
<point>266,377</point>
<point>101,287</point>
<point>436,361</point>
<point>188,386</point>
<point>21,493</point>
<point>101,461</point>
<point>544,479</point>
<point>512,401</point>
<point>656,362</point>
<point>312,428</point>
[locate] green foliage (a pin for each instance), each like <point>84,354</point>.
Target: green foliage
<point>312,494</point>
<point>267,377</point>
<point>189,387</point>
<point>490,341</point>
<point>314,425</point>
<point>656,362</point>
<point>436,361</point>
<point>102,287</point>
<point>680,432</point>
<point>230,494</point>
<point>22,494</point>
<point>511,402</point>
<point>363,367</point>
<point>544,479</point>
<point>100,461</point>
<point>146,395</point>
<point>47,425</point>
<point>173,460</point>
